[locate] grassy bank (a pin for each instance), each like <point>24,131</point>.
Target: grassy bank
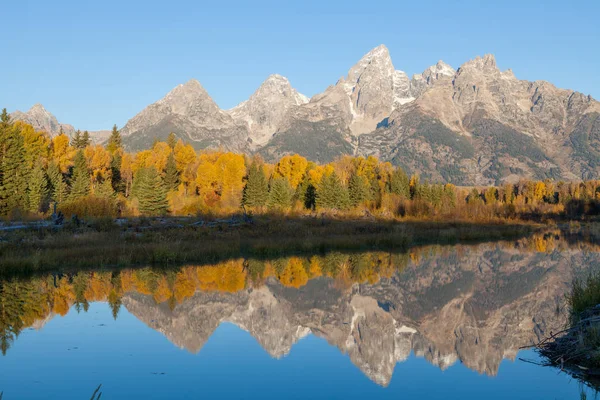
<point>175,241</point>
<point>577,348</point>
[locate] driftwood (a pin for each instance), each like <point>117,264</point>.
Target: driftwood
<point>569,350</point>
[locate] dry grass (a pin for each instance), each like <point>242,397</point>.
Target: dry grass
<point>577,348</point>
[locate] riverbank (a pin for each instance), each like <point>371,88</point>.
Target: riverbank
<point>171,241</point>
<point>577,348</point>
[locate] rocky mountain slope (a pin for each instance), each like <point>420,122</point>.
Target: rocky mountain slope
<point>484,126</point>
<point>38,117</point>
<point>190,113</point>
<point>264,112</point>
<point>474,125</point>
<point>474,305</point>
<point>42,120</point>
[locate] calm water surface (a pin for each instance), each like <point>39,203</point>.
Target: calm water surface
<point>437,323</point>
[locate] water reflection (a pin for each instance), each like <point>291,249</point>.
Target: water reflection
<point>471,304</point>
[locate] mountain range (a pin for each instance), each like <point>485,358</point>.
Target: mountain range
<point>473,125</point>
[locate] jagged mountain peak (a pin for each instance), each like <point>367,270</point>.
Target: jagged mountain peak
<point>38,107</point>
<point>486,63</point>
<point>42,120</point>
<point>380,51</point>
<point>378,60</point>
<point>189,88</point>
<point>421,82</point>
<point>277,78</point>
<point>191,114</point>
<point>266,109</point>
<point>280,85</point>
<point>442,68</point>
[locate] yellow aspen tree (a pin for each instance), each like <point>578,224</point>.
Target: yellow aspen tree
<point>292,168</point>
<point>158,156</point>
<point>127,172</point>
<point>231,170</point>
<point>62,152</point>
<point>98,161</point>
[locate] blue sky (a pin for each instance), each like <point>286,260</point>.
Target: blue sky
<point>97,63</point>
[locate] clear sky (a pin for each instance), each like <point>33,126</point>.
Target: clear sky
<point>97,63</point>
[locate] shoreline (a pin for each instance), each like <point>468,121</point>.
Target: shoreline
<point>171,241</point>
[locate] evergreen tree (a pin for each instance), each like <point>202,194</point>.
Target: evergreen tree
<point>172,140</point>
<point>151,192</point>
<point>114,142</point>
<point>423,192</point>
<point>306,192</point>
<point>256,191</point>
<point>437,194</point>
<point>114,302</point>
<point>58,192</point>
<point>80,285</point>
<point>85,139</point>
<point>4,127</point>
<point>104,190</point>
<point>115,168</point>
<point>38,188</point>
<point>81,177</point>
<point>331,193</point>
<point>171,173</point>
<point>13,191</point>
<point>399,183</point>
<point>4,119</point>
<point>358,190</point>
<point>375,190</point>
<point>280,193</point>
<point>77,140</point>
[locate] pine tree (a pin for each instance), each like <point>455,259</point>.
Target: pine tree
<point>14,184</point>
<point>38,188</point>
<point>4,119</point>
<point>256,191</point>
<point>85,139</point>
<point>171,173</point>
<point>104,190</point>
<point>114,302</point>
<point>331,193</point>
<point>58,191</point>
<point>151,192</point>
<point>114,142</point>
<point>77,140</point>
<point>172,140</point>
<point>280,193</point>
<point>306,192</point>
<point>399,183</point>
<point>358,190</point>
<point>81,177</point>
<point>115,168</point>
<point>4,127</point>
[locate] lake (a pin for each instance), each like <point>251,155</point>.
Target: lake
<point>436,322</point>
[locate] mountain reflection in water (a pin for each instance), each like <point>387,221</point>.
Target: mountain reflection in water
<point>476,305</point>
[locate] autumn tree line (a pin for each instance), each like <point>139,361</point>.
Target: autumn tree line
<point>39,172</point>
